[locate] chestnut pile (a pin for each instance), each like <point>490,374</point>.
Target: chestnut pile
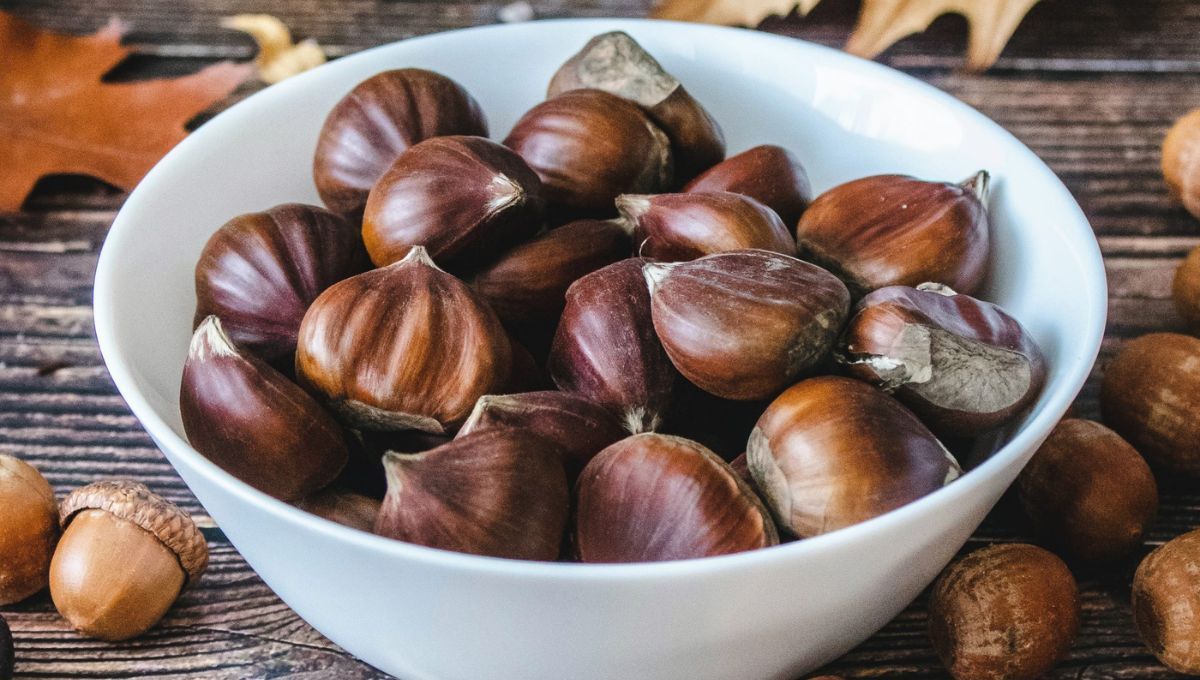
<point>728,362</point>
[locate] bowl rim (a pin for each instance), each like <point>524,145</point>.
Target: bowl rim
<point>1077,237</point>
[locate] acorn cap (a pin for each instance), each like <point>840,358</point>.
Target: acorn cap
<point>133,502</point>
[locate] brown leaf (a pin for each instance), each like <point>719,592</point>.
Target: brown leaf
<point>278,57</point>
<point>882,22</point>
<point>56,116</point>
<point>731,12</point>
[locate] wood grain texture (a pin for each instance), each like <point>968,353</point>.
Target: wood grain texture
<point>1090,86</point>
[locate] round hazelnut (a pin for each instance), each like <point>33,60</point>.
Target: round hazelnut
<point>124,557</point>
<point>1088,491</point>
<point>1166,602</point>
<point>28,529</point>
<point>1151,394</point>
<point>1181,161</point>
<point>1187,290</point>
<point>1006,611</point>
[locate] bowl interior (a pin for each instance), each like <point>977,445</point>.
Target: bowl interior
<point>843,117</point>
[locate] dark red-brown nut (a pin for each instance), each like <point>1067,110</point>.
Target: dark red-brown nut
<point>769,174</point>
<point>253,422</point>
<point>1166,603</point>
<point>28,529</point>
<point>616,63</point>
<point>499,492</point>
<point>831,452</point>
<point>1089,492</point>
<point>606,350</point>
<point>893,230</point>
<point>1005,611</point>
<point>589,147</point>
<point>653,497</point>
<point>674,227</point>
<point>1151,396</point>
<point>380,118</point>
<point>1186,288</point>
<point>964,365</point>
<point>344,507</point>
<point>579,428</point>
<point>463,198</point>
<point>746,324</point>
<point>407,346</point>
<point>260,272</point>
<point>529,283</point>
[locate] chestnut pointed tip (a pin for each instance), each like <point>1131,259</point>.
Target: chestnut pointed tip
<point>504,193</point>
<point>655,272</point>
<point>632,207</point>
<point>482,405</point>
<point>939,288</point>
<point>210,340</point>
<point>979,184</point>
<point>418,255</point>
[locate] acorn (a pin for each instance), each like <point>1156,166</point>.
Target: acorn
<point>675,227</point>
<point>894,230</point>
<point>463,198</point>
<point>769,174</point>
<point>746,324</point>
<point>377,121</point>
<point>963,365</point>
<point>589,147</point>
<point>260,271</point>
<point>406,346</point>
<point>253,422</point>
<point>653,497</point>
<point>615,63</point>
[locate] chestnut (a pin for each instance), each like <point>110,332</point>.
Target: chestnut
<point>653,497</point>
<point>606,351</point>
<point>253,422</point>
<point>376,121</point>
<point>1089,492</point>
<point>463,198</point>
<point>499,492</point>
<point>747,323</point>
<point>891,230</point>
<point>589,147</point>
<point>1166,602</point>
<point>831,452</point>
<point>259,272</point>
<point>406,346</point>
<point>1150,395</point>
<point>579,428</point>
<point>965,366</point>
<point>28,529</point>
<point>1005,611</point>
<point>674,227</point>
<point>616,63</point>
<point>528,284</point>
<point>769,174</point>
<point>347,508</point>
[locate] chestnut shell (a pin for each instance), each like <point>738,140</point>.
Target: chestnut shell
<point>260,271</point>
<point>377,120</point>
<point>675,227</point>
<point>769,174</point>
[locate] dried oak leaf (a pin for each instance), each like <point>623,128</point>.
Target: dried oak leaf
<point>56,116</point>
<point>731,12</point>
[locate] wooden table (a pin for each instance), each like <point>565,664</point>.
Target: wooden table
<point>1090,85</point>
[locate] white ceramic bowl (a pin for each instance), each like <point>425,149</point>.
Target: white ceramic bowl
<point>421,613</point>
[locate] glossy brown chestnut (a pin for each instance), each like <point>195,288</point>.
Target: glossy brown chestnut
<point>769,174</point>
<point>499,492</point>
<point>1005,611</point>
<point>406,346</point>
<point>260,272</point>
<point>616,63</point>
<point>529,283</point>
<point>831,452</point>
<point>253,422</point>
<point>1151,396</point>
<point>963,365</point>
<point>675,227</point>
<point>579,428</point>
<point>1088,491</point>
<point>463,198</point>
<point>606,350</point>
<point>344,507</point>
<point>589,147</point>
<point>747,323</point>
<point>381,117</point>
<point>653,497</point>
<point>891,230</point>
<point>1166,602</point>
<point>28,529</point>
